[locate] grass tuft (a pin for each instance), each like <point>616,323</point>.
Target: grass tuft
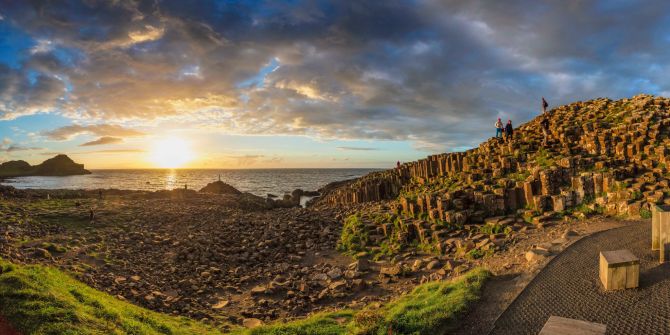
<point>354,236</point>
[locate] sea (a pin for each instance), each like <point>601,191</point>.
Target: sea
<point>256,181</point>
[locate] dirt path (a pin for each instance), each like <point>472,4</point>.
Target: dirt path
<point>569,287</point>
<point>512,272</point>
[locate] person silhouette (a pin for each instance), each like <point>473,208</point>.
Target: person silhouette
<point>509,131</point>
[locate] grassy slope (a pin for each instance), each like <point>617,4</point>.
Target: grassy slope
<point>42,300</point>
<point>430,308</point>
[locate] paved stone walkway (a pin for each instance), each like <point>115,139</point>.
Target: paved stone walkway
<point>569,287</point>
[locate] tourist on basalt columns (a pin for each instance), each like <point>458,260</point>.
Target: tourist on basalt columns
<point>509,130</point>
<point>545,129</point>
<point>545,104</point>
<point>499,128</point>
<point>398,165</point>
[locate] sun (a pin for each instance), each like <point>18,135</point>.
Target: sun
<point>171,152</point>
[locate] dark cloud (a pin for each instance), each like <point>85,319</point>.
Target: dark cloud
<point>108,132</point>
<point>102,141</point>
<point>437,73</point>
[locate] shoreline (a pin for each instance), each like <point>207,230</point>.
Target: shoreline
<point>273,183</point>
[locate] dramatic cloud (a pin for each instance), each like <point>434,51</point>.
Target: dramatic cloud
<point>436,73</point>
<point>103,140</point>
<point>106,130</point>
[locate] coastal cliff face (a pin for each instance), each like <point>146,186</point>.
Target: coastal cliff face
<point>60,165</point>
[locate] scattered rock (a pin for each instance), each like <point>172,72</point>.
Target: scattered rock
<point>433,265</point>
<point>220,304</point>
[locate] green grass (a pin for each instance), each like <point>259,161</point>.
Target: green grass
<point>544,158</point>
<point>332,323</point>
<point>645,213</point>
<point>431,308</point>
<point>41,300</point>
<point>354,236</point>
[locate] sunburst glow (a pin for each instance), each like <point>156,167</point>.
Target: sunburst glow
<point>172,152</point>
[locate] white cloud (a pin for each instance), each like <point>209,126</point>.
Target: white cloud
<point>42,46</point>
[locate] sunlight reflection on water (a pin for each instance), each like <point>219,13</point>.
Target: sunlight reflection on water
<point>258,181</point>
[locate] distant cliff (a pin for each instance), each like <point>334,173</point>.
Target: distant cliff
<point>60,165</point>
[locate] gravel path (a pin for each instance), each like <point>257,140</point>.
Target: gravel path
<point>569,287</point>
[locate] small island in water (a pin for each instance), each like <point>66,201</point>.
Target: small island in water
<point>60,165</point>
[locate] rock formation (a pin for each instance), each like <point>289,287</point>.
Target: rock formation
<point>60,165</point>
<point>609,156</point>
<point>219,187</point>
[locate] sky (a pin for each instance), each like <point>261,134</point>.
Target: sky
<point>297,83</point>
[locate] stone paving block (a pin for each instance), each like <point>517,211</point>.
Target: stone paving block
<point>557,325</point>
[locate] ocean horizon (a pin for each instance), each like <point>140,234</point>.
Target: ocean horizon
<point>260,182</point>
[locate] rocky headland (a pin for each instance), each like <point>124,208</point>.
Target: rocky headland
<point>59,165</point>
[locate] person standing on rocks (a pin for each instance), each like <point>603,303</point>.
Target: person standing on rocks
<point>509,131</point>
<point>499,128</point>
<point>545,104</point>
<point>545,130</point>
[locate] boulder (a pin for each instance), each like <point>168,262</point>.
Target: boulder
<point>251,323</point>
<point>219,187</point>
<point>433,265</point>
<point>391,270</point>
<point>536,255</point>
